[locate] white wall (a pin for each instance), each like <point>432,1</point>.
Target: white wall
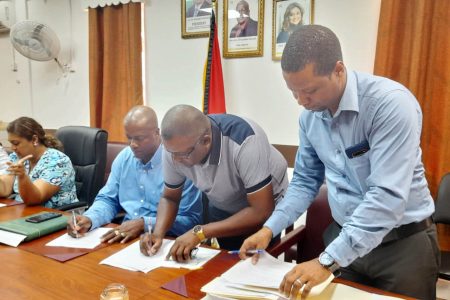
<point>254,86</point>
<point>38,89</point>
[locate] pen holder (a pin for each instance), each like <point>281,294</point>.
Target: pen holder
<point>114,291</point>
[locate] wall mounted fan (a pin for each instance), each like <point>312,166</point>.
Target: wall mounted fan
<point>36,41</point>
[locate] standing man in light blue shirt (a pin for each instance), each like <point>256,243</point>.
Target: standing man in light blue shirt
<point>362,134</point>
<point>135,185</point>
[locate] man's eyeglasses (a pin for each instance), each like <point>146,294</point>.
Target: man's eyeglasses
<point>187,154</point>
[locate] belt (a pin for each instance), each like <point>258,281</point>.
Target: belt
<point>404,230</point>
<point>407,230</point>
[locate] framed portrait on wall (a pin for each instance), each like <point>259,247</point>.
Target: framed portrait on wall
<point>287,16</point>
<point>243,28</point>
<point>196,17</point>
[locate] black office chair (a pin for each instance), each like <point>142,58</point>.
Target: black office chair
<point>442,215</point>
<point>86,148</point>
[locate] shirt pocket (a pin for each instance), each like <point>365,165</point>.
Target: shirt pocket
<point>360,166</point>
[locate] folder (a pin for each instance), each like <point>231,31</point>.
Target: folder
<point>34,230</point>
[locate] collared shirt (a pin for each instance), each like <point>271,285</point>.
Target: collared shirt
<point>136,188</point>
<point>55,168</point>
<point>374,192</point>
<point>241,161</point>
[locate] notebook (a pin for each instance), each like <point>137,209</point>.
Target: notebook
<point>34,230</point>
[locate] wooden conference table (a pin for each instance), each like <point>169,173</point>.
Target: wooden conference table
<point>25,275</point>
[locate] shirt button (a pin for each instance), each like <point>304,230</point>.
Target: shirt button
<point>344,176</point>
<point>338,151</point>
<point>142,186</point>
<point>135,214</point>
<point>142,201</point>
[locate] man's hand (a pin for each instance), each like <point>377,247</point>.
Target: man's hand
<point>306,275</point>
<point>125,232</point>
<point>259,240</point>
<point>150,244</point>
<point>83,226</point>
<point>181,249</point>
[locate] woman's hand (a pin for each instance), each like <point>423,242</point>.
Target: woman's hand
<point>18,168</point>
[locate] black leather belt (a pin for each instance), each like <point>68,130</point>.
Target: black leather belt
<point>407,230</point>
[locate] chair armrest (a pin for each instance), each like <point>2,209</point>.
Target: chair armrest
<point>72,206</point>
<point>286,242</point>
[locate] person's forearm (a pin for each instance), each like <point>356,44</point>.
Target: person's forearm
<point>5,189</point>
<point>246,221</point>
<point>167,212</point>
<point>29,193</point>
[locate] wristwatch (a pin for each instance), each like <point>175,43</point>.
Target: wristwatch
<point>198,231</point>
<point>328,263</point>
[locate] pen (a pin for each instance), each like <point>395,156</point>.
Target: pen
<point>252,251</point>
<point>75,223</point>
<point>149,243</point>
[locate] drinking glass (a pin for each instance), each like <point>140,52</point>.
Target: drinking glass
<point>114,291</point>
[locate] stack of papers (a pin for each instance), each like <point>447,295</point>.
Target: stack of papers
<point>89,240</point>
<point>261,281</point>
<point>132,259</point>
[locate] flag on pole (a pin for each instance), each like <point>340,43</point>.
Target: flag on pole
<point>213,91</point>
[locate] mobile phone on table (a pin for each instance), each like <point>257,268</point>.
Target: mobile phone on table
<point>43,217</point>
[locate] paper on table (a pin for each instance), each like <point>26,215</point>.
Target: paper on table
<point>267,274</point>
<point>220,287</point>
<point>89,240</point>
<point>11,238</point>
<point>341,291</point>
<point>2,204</point>
<point>132,259</point>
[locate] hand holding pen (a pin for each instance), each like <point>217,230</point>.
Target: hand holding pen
<point>77,225</point>
<point>255,243</point>
<point>150,242</point>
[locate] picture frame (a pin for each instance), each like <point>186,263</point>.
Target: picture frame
<point>196,17</point>
<point>243,24</point>
<point>285,15</point>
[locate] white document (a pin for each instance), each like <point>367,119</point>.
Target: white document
<point>260,281</point>
<point>132,259</point>
<point>2,204</point>
<point>89,240</point>
<point>11,238</point>
<point>268,272</point>
<point>219,288</point>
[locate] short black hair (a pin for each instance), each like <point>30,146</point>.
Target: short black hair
<point>311,44</point>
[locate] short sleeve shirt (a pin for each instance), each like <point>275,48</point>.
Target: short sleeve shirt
<point>55,168</point>
<point>241,161</point>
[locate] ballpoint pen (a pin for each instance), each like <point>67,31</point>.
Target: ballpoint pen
<point>149,243</point>
<point>75,223</point>
<point>252,251</point>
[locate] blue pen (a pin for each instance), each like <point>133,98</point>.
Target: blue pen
<point>252,251</point>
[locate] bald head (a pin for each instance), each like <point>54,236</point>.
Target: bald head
<point>184,120</point>
<point>141,115</point>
